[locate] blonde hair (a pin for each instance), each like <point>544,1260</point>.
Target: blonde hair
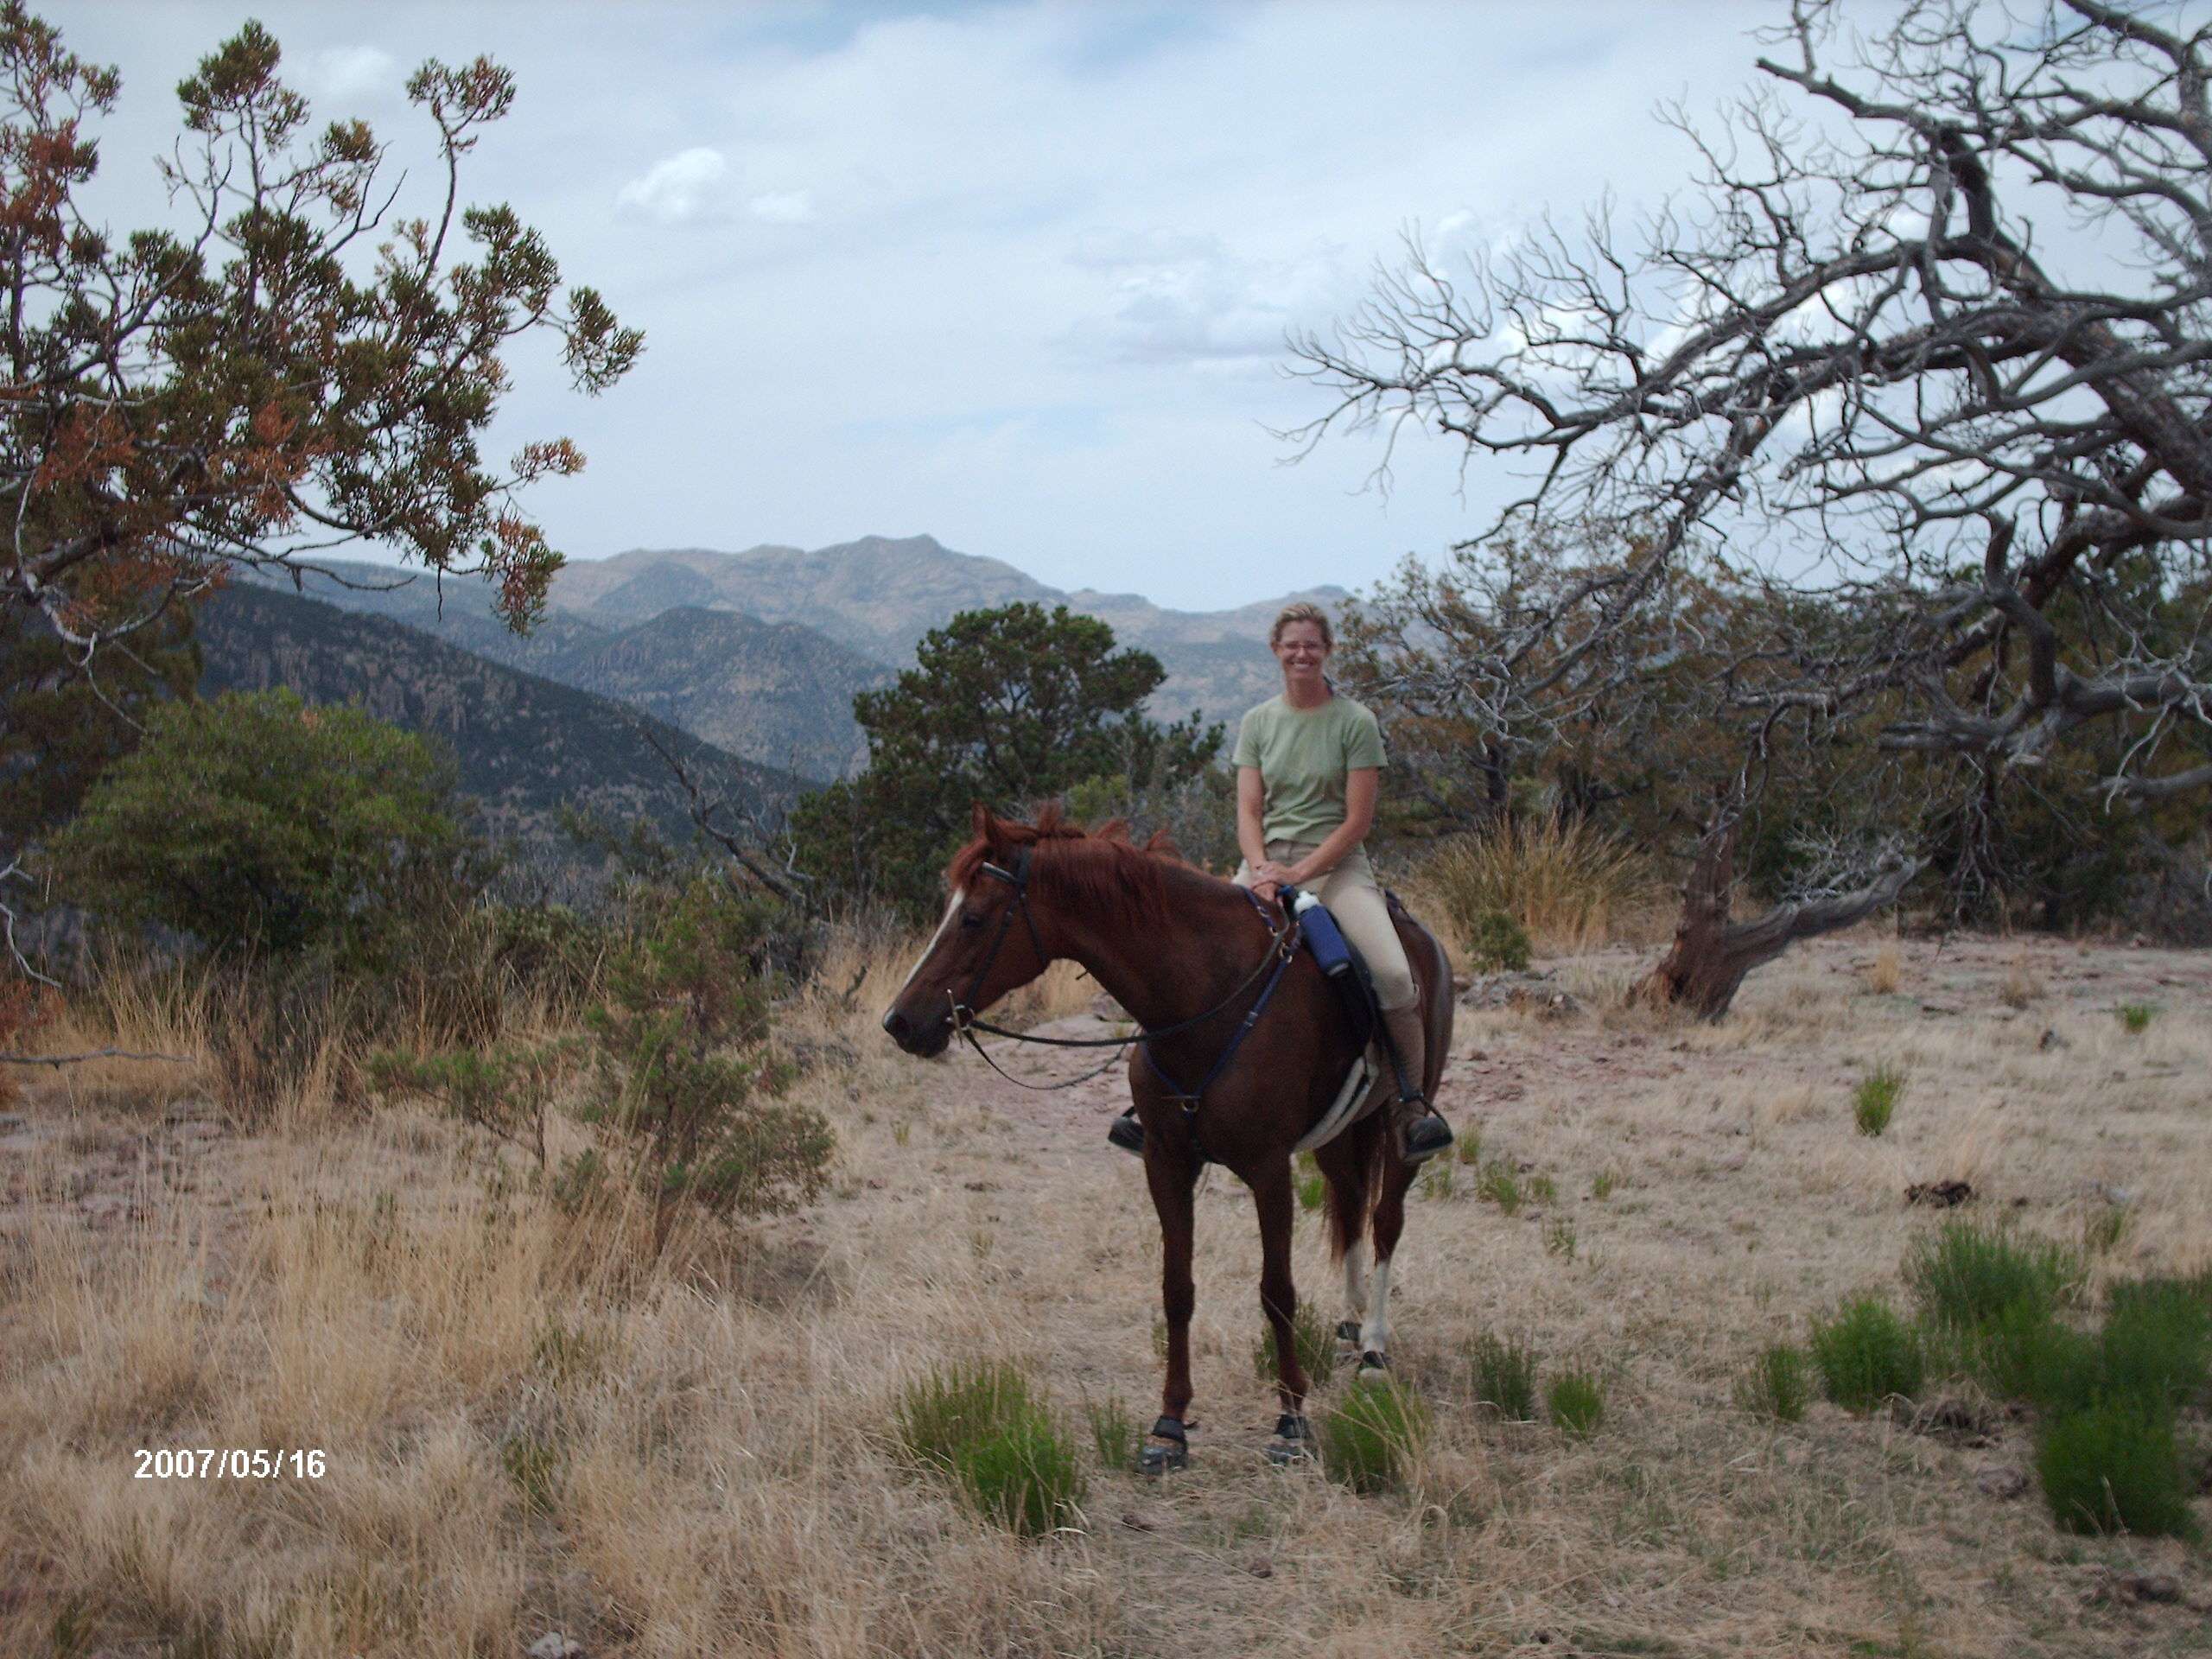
<point>1302,611</point>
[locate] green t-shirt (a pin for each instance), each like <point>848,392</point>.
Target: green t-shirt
<point>1303,755</point>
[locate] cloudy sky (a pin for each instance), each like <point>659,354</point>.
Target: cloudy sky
<point>1015,276</point>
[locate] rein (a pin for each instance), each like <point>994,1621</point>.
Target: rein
<point>1282,946</point>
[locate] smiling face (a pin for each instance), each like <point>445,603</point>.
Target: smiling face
<point>1303,653</point>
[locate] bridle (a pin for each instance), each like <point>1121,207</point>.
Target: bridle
<point>1282,944</point>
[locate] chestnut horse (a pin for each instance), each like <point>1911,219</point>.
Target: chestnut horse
<point>1187,955</point>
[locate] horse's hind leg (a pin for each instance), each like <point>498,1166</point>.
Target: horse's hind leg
<point>1389,1222</point>
<point>1344,1162</point>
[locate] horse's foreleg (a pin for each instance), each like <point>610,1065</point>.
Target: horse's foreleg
<point>1271,1197</point>
<point>1171,1176</point>
<point>1389,1222</point>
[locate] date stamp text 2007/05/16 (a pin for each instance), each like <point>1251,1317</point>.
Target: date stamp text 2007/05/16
<point>227,1463</point>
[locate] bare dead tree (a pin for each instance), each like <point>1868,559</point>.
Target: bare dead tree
<point>1927,338</point>
<point>747,845</point>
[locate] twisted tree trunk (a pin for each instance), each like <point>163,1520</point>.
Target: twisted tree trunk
<point>1711,955</point>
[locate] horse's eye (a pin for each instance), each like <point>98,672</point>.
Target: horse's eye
<point>969,918</point>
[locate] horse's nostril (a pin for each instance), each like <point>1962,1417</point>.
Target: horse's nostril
<point>895,1023</point>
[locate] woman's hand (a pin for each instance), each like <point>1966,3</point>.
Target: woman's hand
<point>1271,876</point>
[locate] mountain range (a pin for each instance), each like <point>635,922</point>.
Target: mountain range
<point>745,665</point>
<point>760,651</point>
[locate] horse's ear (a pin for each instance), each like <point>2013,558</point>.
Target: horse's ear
<point>986,827</point>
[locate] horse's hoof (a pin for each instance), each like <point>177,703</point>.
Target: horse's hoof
<point>1167,1447</point>
<point>1158,1457</point>
<point>1293,1441</point>
<point>1374,1364</point>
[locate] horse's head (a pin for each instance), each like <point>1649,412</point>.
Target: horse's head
<point>988,943</point>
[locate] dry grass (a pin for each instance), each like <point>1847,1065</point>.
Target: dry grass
<point>2023,983</point>
<point>1886,974</point>
<point>1571,887</point>
<point>528,1428</point>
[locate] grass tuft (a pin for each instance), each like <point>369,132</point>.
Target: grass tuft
<point>982,1426</point>
<point>2138,1016</point>
<point>1866,1354</point>
<point>2114,1467</point>
<point>1875,1101</point>
<point>1113,1431</point>
<point>1970,1273</point>
<point>1498,1185</point>
<point>1576,1402</point>
<point>1505,1377</point>
<point>1562,881</point>
<point>1312,1334</point>
<point>1370,1436</point>
<point>1775,1385</point>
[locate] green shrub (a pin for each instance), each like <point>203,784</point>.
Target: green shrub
<point>1436,1179</point>
<point>2112,1467</point>
<point>1113,1431</point>
<point>1559,1237</point>
<point>2138,1016</point>
<point>1604,1186</point>
<point>1496,943</point>
<point>1505,1377</point>
<point>1369,1437</point>
<point>687,1107</point>
<point>1314,1338</point>
<point>1967,1274</point>
<point>981,1426</point>
<point>1576,1401</point>
<point>503,1092</point>
<point>1469,1146</point>
<point>1311,1186</point>
<point>1542,1190</point>
<point>264,828</point>
<point>1875,1100</point>
<point>1775,1385</point>
<point>1865,1354</point>
<point>2154,1352</point>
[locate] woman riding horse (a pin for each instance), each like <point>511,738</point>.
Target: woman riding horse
<point>1309,767</point>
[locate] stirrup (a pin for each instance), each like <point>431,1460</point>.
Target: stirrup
<point>1426,1137</point>
<point>1127,1133</point>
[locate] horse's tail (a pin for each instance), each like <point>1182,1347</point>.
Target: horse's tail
<point>1350,1202</point>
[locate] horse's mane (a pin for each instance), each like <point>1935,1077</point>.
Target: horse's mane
<point>1101,872</point>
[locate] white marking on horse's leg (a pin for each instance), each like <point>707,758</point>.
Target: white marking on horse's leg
<point>1356,1281</point>
<point>1375,1333</point>
<point>950,911</point>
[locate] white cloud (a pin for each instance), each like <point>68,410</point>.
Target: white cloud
<point>349,71</point>
<point>1191,299</point>
<point>677,188</point>
<point>783,208</point>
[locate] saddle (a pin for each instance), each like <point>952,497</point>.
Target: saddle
<point>1365,1086</point>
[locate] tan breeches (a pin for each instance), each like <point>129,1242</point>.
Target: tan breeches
<point>1353,898</point>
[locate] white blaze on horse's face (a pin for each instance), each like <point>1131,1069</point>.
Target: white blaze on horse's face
<point>952,910</point>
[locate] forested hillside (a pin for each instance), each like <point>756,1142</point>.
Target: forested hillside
<point>525,746</point>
